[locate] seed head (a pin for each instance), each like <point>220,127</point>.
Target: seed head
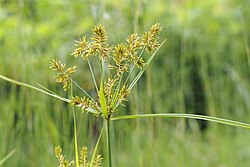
<point>98,161</point>
<point>61,158</point>
<point>85,103</point>
<point>84,157</point>
<point>63,75</point>
<point>150,39</point>
<point>81,47</point>
<point>99,34</point>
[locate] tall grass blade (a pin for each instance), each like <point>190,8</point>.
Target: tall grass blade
<point>33,87</point>
<point>240,83</point>
<point>189,116</point>
<point>103,101</point>
<point>96,147</point>
<point>102,96</point>
<point>144,68</point>
<point>4,159</point>
<point>46,89</point>
<point>82,89</point>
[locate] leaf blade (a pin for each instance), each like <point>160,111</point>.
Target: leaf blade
<point>138,76</point>
<point>189,116</point>
<point>33,87</point>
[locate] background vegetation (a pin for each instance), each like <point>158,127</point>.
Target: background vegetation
<point>203,68</point>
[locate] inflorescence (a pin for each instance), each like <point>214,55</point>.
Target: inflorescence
<point>121,60</point>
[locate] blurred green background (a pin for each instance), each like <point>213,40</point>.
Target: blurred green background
<point>203,68</point>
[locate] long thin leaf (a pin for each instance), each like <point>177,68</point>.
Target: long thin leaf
<point>132,70</point>
<point>144,68</point>
<point>102,96</point>
<point>46,89</point>
<point>40,90</point>
<point>82,89</point>
<point>189,116</point>
<point>103,101</point>
<point>33,87</point>
<point>240,83</point>
<point>4,159</point>
<point>115,97</point>
<point>92,75</point>
<point>96,147</point>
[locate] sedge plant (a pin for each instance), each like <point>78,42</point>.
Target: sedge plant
<point>120,67</point>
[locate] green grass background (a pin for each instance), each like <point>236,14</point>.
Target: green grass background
<point>203,68</point>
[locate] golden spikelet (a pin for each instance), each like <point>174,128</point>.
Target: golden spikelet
<point>84,157</point>
<point>83,161</point>
<point>98,161</point>
<point>121,59</point>
<point>63,75</point>
<point>57,65</point>
<point>123,94</point>
<point>133,44</point>
<point>81,47</point>
<point>150,39</point>
<point>99,34</point>
<point>85,104</point>
<point>109,88</point>
<point>61,158</point>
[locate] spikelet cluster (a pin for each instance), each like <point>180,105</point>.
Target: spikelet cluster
<point>63,75</point>
<point>84,157</point>
<point>61,158</point>
<point>133,45</point>
<point>150,39</point>
<point>83,161</point>
<point>120,59</point>
<point>97,45</point>
<point>80,47</point>
<point>109,88</point>
<point>98,161</point>
<point>85,104</point>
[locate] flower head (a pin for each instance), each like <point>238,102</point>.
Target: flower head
<point>150,39</point>
<point>122,60</point>
<point>63,75</point>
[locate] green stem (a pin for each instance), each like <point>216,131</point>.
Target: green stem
<point>75,133</point>
<point>75,138</point>
<point>92,75</point>
<point>108,142</point>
